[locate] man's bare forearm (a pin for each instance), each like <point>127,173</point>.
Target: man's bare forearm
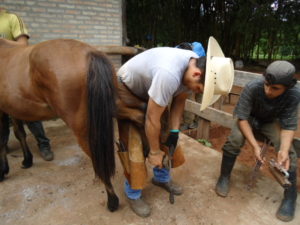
<point>22,40</point>
<point>153,125</point>
<point>247,132</point>
<point>286,138</point>
<point>152,129</point>
<point>176,111</point>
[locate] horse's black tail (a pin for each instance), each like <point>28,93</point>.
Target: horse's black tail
<point>101,110</point>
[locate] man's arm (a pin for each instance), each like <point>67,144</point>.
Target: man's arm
<point>176,111</point>
<point>286,138</point>
<point>22,40</point>
<point>18,29</point>
<point>247,132</point>
<point>288,121</point>
<point>152,128</point>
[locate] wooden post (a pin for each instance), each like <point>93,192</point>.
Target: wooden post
<point>203,129</point>
<point>219,103</point>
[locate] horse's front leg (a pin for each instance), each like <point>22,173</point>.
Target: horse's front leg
<point>4,132</point>
<point>21,136</point>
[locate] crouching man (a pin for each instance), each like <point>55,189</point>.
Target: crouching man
<point>268,106</point>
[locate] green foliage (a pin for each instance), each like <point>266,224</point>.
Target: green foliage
<point>205,142</point>
<point>244,29</point>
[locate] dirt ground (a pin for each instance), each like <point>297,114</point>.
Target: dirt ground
<point>64,191</point>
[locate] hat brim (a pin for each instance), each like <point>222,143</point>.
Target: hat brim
<point>208,98</point>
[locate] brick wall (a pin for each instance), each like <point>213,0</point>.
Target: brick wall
<point>97,22</point>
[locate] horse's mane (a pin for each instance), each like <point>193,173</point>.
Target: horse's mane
<point>4,43</point>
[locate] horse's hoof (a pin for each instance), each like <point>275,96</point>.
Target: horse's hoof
<point>26,164</point>
<point>113,203</point>
<point>6,168</point>
<point>1,177</point>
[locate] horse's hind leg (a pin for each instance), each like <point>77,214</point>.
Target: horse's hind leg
<point>112,198</point>
<point>21,136</point>
<point>4,132</point>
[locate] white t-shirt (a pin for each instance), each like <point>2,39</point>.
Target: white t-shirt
<point>157,73</point>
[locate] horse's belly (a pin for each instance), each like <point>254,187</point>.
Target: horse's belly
<point>24,111</point>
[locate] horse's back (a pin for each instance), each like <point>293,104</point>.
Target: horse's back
<point>40,81</point>
<point>59,53</point>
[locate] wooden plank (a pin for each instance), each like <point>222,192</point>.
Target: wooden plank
<point>214,115</point>
<point>241,78</point>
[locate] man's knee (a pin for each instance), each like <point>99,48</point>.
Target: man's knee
<point>229,150</point>
<point>234,142</point>
<point>272,132</point>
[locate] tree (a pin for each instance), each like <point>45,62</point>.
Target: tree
<point>241,27</point>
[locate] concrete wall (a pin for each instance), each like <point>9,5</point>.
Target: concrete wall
<point>97,22</point>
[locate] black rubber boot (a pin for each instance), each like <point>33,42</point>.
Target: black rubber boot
<point>222,186</point>
<point>287,207</point>
<point>37,130</point>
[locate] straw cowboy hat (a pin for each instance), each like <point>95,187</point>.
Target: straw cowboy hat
<point>219,74</point>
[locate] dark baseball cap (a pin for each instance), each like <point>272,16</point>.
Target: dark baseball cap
<point>280,72</point>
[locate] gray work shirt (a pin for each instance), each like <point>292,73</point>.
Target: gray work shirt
<point>254,103</point>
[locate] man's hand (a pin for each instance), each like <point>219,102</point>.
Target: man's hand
<point>248,133</point>
<point>283,159</point>
<point>155,158</point>
<point>172,139</point>
<point>257,153</point>
<point>23,40</point>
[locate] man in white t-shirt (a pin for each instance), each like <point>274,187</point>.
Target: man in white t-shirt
<point>157,82</point>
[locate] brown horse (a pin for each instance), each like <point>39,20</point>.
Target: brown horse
<point>67,79</point>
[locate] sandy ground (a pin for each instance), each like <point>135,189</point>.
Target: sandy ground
<point>64,191</point>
